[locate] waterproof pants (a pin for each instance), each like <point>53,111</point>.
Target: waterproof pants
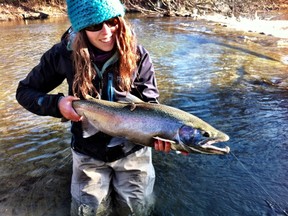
<point>123,187</point>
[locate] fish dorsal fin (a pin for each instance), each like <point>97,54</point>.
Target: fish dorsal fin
<point>88,129</point>
<point>121,97</point>
<point>126,97</point>
<point>90,98</point>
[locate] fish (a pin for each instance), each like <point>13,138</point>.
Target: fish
<point>142,122</point>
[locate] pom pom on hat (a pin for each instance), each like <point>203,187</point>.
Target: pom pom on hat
<point>83,13</point>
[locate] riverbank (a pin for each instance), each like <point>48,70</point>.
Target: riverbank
<point>10,12</point>
<point>274,24</point>
<point>269,26</point>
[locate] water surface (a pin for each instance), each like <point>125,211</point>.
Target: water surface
<point>238,86</point>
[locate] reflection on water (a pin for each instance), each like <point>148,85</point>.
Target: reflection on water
<point>35,156</point>
<point>239,87</point>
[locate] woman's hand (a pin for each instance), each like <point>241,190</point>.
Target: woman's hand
<point>160,145</point>
<point>67,110</point>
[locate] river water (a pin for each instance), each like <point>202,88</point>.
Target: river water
<point>237,82</point>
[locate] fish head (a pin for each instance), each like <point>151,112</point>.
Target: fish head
<point>201,141</point>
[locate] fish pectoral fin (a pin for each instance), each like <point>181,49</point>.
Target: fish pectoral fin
<point>164,140</point>
<point>88,129</point>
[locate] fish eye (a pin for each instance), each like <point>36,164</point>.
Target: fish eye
<point>205,134</point>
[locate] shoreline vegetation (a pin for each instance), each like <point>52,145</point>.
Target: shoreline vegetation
<point>268,17</point>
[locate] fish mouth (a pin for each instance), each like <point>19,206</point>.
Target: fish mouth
<point>208,144</point>
<point>207,147</point>
<point>211,149</point>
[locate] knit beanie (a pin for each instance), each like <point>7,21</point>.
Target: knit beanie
<point>83,13</point>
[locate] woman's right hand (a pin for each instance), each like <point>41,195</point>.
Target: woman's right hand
<point>67,110</point>
<point>164,146</point>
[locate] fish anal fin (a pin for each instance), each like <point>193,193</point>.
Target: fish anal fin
<point>90,98</point>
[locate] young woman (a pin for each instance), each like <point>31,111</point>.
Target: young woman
<point>97,55</point>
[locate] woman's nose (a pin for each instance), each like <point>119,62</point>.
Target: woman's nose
<point>106,28</point>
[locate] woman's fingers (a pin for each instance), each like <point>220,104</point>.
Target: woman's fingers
<point>67,110</point>
<point>165,146</point>
<point>162,146</point>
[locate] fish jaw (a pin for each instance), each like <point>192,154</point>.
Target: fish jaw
<point>194,140</point>
<point>209,148</point>
<point>206,148</point>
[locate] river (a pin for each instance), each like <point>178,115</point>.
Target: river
<point>235,81</point>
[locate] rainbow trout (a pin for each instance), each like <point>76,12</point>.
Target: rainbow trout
<point>142,122</point>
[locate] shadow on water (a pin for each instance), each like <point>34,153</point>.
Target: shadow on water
<point>239,88</point>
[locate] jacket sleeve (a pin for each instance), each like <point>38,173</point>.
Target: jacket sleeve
<point>145,85</point>
<point>33,91</point>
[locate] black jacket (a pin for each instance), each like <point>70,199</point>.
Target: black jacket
<point>55,66</point>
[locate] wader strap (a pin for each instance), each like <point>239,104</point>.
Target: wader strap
<point>110,91</point>
<point>100,73</point>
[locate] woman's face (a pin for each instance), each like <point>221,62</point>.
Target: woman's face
<point>104,39</point>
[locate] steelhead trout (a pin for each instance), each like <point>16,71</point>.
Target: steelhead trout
<point>142,122</point>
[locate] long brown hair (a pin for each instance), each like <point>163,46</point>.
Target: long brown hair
<point>84,71</point>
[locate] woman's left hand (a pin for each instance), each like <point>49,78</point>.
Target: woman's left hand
<point>160,145</point>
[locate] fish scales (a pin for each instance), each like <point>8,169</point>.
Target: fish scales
<point>142,122</point>
<point>138,120</point>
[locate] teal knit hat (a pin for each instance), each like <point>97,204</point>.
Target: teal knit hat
<point>83,13</point>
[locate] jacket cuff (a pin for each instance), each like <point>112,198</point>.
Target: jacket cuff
<point>49,105</point>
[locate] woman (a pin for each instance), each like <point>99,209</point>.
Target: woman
<point>99,54</point>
